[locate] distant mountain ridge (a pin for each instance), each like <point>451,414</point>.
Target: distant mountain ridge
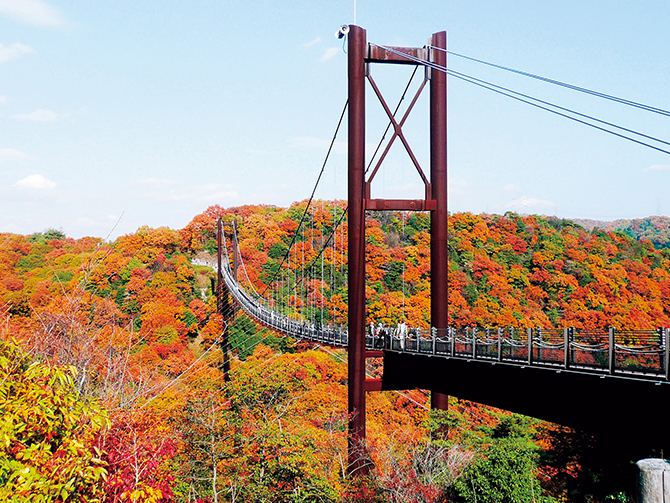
<point>655,228</point>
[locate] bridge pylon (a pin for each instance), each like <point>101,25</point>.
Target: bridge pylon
<point>224,307</point>
<point>360,55</point>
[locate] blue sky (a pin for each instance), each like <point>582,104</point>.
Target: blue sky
<point>119,114</point>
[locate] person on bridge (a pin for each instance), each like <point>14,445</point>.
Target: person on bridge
<point>401,332</point>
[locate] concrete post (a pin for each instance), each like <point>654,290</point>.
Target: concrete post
<point>653,483</point>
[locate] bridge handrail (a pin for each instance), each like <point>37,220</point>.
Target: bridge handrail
<point>603,350</point>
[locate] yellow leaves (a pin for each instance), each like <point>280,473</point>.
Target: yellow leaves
<point>518,277</point>
<point>162,237</point>
<point>595,261</point>
<point>539,259</point>
<point>185,273</point>
<point>46,429</point>
<point>422,239</point>
<point>561,284</point>
<point>375,236</point>
<point>143,494</point>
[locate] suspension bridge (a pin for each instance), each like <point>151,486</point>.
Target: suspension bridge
<point>610,382</point>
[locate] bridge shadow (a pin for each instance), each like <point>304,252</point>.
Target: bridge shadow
<point>631,413</point>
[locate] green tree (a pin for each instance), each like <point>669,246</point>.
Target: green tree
<point>507,470</point>
<point>47,235</point>
<point>245,336</point>
<point>46,433</point>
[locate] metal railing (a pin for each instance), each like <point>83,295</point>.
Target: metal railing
<point>638,353</point>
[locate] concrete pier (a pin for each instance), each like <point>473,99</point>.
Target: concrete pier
<point>653,481</point>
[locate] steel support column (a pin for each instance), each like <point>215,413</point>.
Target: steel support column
<point>223,307</point>
<point>438,178</point>
<point>356,220</point>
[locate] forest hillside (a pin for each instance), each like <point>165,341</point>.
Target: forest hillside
<point>655,229</point>
<point>114,351</point>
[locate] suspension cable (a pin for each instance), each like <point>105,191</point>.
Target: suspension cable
<point>464,76</point>
<point>325,245</point>
<point>509,95</point>
<point>311,197</point>
<point>244,268</point>
<point>559,83</point>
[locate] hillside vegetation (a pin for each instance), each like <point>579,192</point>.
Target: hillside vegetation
<point>655,229</point>
<point>127,331</point>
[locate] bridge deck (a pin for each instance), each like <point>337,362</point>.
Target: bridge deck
<point>608,383</point>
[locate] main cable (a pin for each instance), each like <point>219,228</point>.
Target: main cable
<point>311,197</point>
<point>454,73</point>
<point>509,95</point>
<point>559,83</point>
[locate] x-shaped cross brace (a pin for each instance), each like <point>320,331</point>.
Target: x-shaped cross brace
<point>398,133</point>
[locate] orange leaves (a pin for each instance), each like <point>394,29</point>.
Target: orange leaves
<point>289,226</point>
<point>12,283</point>
<point>164,310</point>
<point>517,243</point>
<point>387,309</point>
<point>483,265</point>
<point>212,330</point>
<point>374,235</point>
<point>200,310</point>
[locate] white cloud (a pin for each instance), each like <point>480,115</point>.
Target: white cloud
<point>523,203</point>
<point>457,186</point>
<point>40,115</point>
<point>158,189</point>
<point>330,53</point>
<point>209,192</point>
<point>3,99</point>
<point>10,227</point>
<point>313,42</point>
<point>229,195</point>
<point>11,154</point>
<point>658,167</point>
<point>16,50</point>
<point>32,12</point>
<point>37,182</point>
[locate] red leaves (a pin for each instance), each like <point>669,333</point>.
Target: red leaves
<point>137,449</point>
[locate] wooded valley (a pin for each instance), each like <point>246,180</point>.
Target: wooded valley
<point>111,385</point>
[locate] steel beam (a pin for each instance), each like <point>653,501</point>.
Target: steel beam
<point>400,204</point>
<point>377,54</point>
<point>634,411</point>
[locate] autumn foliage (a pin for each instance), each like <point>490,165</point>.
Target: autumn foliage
<point>130,327</point>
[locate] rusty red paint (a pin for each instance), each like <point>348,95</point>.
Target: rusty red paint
<point>439,313</point>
